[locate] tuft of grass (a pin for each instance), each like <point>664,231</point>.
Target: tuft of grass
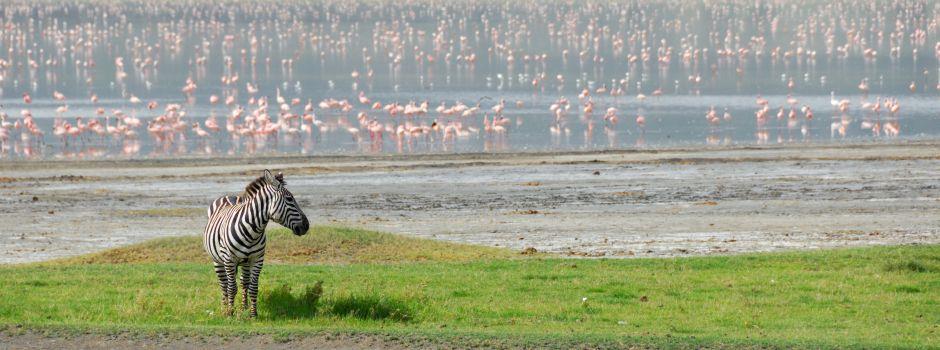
<point>282,337</point>
<point>322,244</point>
<point>908,289</point>
<point>910,266</point>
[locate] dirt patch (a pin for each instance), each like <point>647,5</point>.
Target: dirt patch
<point>161,212</point>
<point>525,212</point>
<point>39,340</point>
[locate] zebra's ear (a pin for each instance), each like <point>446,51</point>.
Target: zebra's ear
<point>269,178</point>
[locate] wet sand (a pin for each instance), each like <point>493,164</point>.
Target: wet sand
<point>656,203</point>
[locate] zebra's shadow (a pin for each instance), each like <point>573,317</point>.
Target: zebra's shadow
<point>307,303</point>
<point>369,307</point>
<point>281,303</point>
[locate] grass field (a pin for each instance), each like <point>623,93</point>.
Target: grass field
<point>405,287</point>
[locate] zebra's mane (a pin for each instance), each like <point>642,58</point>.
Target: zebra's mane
<point>253,188</point>
<point>257,184</point>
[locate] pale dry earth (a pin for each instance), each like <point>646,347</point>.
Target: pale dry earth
<point>655,203</point>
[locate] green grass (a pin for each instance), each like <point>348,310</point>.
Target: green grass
<point>869,297</point>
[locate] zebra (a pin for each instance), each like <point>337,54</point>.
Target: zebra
<point>234,236</point>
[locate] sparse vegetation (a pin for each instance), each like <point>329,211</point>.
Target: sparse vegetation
<point>374,283</point>
<point>322,245</point>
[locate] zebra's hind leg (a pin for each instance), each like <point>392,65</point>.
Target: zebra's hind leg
<point>223,283</point>
<point>253,286</point>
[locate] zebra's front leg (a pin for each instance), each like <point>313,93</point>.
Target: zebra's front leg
<point>231,287</point>
<point>253,286</point>
<point>246,282</point>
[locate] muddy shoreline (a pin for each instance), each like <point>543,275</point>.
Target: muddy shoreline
<point>659,203</point>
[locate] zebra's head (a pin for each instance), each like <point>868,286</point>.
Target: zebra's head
<point>283,208</point>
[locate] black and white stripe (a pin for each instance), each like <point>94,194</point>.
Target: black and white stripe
<point>235,238</point>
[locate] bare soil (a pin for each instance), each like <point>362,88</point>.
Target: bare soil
<point>38,340</point>
<point>656,203</point>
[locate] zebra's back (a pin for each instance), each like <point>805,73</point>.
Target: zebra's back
<point>220,202</point>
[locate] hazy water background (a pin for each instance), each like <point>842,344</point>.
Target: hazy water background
<point>47,48</point>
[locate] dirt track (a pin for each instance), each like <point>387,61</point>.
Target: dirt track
<point>621,204</point>
<point>36,340</point>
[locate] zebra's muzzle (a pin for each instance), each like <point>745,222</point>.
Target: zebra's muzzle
<point>302,229</point>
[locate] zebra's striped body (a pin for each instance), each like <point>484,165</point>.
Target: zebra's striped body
<point>234,236</point>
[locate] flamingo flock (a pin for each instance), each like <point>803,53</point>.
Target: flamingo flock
<point>183,77</point>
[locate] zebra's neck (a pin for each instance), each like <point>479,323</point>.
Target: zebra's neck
<point>259,214</point>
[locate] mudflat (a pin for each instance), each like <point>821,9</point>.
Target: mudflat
<point>665,202</point>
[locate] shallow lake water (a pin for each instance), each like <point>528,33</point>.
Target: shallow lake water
<point>828,72</point>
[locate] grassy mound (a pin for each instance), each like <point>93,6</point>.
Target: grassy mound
<point>331,245</point>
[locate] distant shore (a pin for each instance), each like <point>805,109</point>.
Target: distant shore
<point>908,149</point>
